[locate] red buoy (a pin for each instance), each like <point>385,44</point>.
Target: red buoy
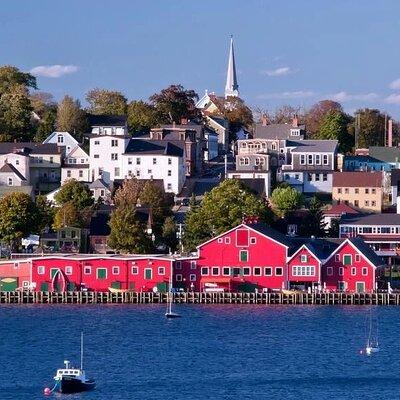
<point>47,391</point>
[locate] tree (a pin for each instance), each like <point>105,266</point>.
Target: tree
<point>221,209</point>
<point>285,114</point>
<point>46,125</point>
<point>141,116</point>
<point>18,218</point>
<point>371,128</point>
<point>75,192</point>
<point>42,101</point>
<point>285,200</point>
<point>15,114</point>
<point>128,193</point>
<point>70,117</point>
<point>238,115</point>
<point>335,126</point>
<point>11,76</point>
<point>67,215</point>
<point>45,213</point>
<point>317,113</point>
<point>174,103</point>
<point>127,232</point>
<point>313,224</point>
<point>108,102</point>
<point>169,233</point>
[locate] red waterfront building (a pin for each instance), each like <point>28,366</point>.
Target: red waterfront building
<point>15,274</point>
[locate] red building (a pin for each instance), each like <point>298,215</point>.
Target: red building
<point>15,274</point>
<point>100,273</point>
<point>351,267</point>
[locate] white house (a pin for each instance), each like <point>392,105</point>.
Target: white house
<point>76,166</point>
<point>211,138</point>
<point>62,139</point>
<point>115,125</point>
<point>156,159</point>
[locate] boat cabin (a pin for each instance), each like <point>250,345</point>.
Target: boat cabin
<point>69,372</point>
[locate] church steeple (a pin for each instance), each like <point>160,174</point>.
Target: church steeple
<point>231,87</point>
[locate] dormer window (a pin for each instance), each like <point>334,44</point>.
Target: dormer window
<point>60,139</point>
<point>295,132</point>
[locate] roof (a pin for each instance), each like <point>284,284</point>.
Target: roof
<point>371,219</point>
<point>98,184</point>
<point>277,131</point>
<point>155,147</point>
<point>107,120</point>
<point>386,154</point>
<point>60,133</point>
<point>357,179</point>
<point>4,190</point>
<point>219,120</point>
<point>340,209</point>
<point>76,166</point>
<point>29,148</point>
<point>366,251</point>
<point>272,233</point>
<point>11,169</point>
<point>306,146</point>
<point>363,159</point>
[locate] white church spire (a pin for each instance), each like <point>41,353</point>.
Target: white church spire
<point>231,87</point>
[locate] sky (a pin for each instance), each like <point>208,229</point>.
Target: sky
<point>293,52</point>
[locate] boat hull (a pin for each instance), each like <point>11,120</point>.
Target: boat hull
<point>71,385</point>
<point>171,315</point>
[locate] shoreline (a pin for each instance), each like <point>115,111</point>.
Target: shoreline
<point>200,298</point>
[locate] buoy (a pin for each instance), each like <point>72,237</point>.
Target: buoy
<point>47,391</point>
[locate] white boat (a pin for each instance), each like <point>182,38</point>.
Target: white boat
<point>169,314</point>
<point>372,345</point>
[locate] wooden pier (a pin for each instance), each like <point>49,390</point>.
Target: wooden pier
<point>199,298</point>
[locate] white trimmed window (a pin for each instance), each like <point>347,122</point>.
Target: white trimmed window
<point>178,277</point>
<point>192,277</point>
<point>68,270</point>
<point>302,159</point>
<point>253,240</point>
<point>115,270</point>
<point>205,271</point>
<point>329,271</point>
<point>227,240</point>
<point>341,271</point>
<point>365,271</point>
<point>215,271</point>
<point>358,257</point>
<point>41,269</point>
<point>303,258</point>
<point>193,265</point>
<point>278,271</point>
<point>325,159</point>
<point>135,270</point>
<point>268,271</point>
<point>337,257</point>
<point>220,240</point>
<point>87,270</point>
<point>246,271</point>
<point>257,271</point>
<point>353,271</point>
<point>226,271</point>
<point>161,270</point>
<point>178,265</point>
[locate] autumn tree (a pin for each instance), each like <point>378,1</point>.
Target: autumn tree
<point>18,218</point>
<point>369,127</point>
<point>67,215</point>
<point>174,103</point>
<point>317,113</point>
<point>70,117</point>
<point>108,102</point>
<point>142,116</point>
<point>128,193</point>
<point>221,209</point>
<point>238,115</point>
<point>285,200</point>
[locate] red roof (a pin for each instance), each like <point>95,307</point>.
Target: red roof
<point>357,179</point>
<point>340,209</point>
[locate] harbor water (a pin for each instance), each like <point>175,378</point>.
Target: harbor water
<point>212,352</point>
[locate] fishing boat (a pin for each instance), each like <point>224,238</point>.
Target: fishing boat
<point>70,379</point>
<point>115,290</point>
<point>169,314</point>
<point>372,345</point>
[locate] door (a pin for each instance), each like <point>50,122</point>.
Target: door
<point>341,286</point>
<point>360,287</point>
<point>148,273</point>
<point>101,273</point>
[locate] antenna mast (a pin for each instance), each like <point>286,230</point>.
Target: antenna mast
<point>82,351</point>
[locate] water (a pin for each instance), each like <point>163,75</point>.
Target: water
<point>212,352</point>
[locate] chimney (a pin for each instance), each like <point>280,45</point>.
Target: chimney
<point>264,120</point>
<point>390,133</point>
<point>173,124</point>
<point>184,121</point>
<point>295,122</point>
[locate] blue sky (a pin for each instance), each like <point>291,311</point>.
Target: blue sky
<point>287,52</point>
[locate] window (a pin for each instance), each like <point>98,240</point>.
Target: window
<point>329,271</point>
<point>138,172</point>
<point>10,181</point>
<point>366,191</point>
<point>41,270</point>
<point>102,192</point>
<point>302,159</point>
<point>169,173</point>
<point>60,139</point>
<point>149,171</point>
<point>205,271</point>
<point>192,277</point>
<point>169,186</point>
<point>96,142</point>
<point>253,240</point>
<point>303,270</point>
<point>318,159</point>
<point>339,190</point>
<point>347,259</point>
<point>68,173</point>
<point>95,156</point>
<point>373,203</point>
<point>309,159</point>
<point>87,270</point>
<point>227,240</point>
<point>356,190</point>
<point>316,177</point>
<point>137,161</point>
<point>257,271</point>
<point>303,258</point>
<point>114,156</point>
<point>268,271</point>
<point>226,271</point>
<point>373,191</point>
<point>309,177</point>
<point>356,203</point>
<point>101,273</point>
<point>215,271</point>
<point>114,143</point>
<point>220,240</point>
<point>366,203</point>
<point>244,161</point>
<point>17,162</point>
<point>358,258</point>
<point>325,159</point>
<point>178,265</point>
<point>116,171</point>
<point>192,264</point>
<point>154,161</point>
<point>178,277</point>
<point>346,190</point>
<point>365,271</point>
<point>129,161</point>
<point>115,270</point>
<point>246,271</point>
<point>161,271</point>
<point>244,256</point>
<point>324,177</point>
<point>169,161</point>
<point>341,271</point>
<point>337,257</point>
<point>353,271</point>
<point>278,271</point>
<point>134,270</point>
<point>80,173</point>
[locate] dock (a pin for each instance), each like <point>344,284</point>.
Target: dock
<point>27,297</point>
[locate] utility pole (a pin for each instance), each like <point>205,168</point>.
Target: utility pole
<point>226,165</point>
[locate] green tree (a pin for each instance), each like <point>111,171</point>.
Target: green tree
<point>108,102</point>
<point>127,232</point>
<point>317,113</point>
<point>45,213</point>
<point>335,126</point>
<point>75,192</point>
<point>169,233</point>
<point>313,224</point>
<point>70,117</point>
<point>42,101</point>
<point>46,125</point>
<point>15,114</point>
<point>11,76</point>
<point>285,200</point>
<point>141,116</point>
<point>67,215</point>
<point>174,103</point>
<point>221,209</point>
<point>238,115</point>
<point>18,218</point>
<point>370,128</point>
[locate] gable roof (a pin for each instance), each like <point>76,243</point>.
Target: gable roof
<point>357,179</point>
<point>75,149</point>
<point>277,131</point>
<point>98,184</point>
<point>340,209</point>
<point>156,147</point>
<point>9,168</point>
<point>107,120</point>
<point>371,219</point>
<point>386,154</point>
<point>29,148</point>
<point>47,140</point>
